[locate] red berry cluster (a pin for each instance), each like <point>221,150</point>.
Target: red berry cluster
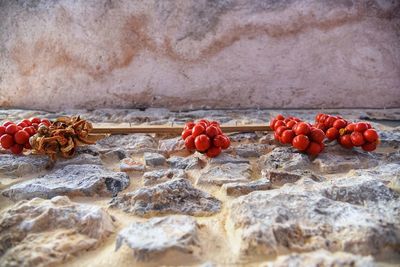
<point>301,135</point>
<point>348,135</point>
<point>205,137</point>
<point>15,137</point>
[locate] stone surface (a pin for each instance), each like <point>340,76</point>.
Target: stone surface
<point>131,143</point>
<point>171,145</point>
<point>252,150</point>
<point>279,178</point>
<point>172,197</point>
<point>72,180</point>
<point>227,158</point>
<point>225,173</point>
<point>193,54</point>
<point>128,164</point>
<point>284,158</point>
<point>160,176</point>
<point>322,258</point>
<point>153,159</point>
<point>154,238</point>
<point>186,163</point>
<point>16,166</point>
<point>271,223</point>
<point>238,189</point>
<point>79,159</point>
<point>46,232</point>
<point>337,159</point>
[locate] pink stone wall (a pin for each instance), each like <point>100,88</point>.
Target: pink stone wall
<point>194,53</point>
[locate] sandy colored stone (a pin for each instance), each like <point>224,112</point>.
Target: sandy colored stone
<point>238,189</point>
<point>131,143</point>
<point>285,159</point>
<point>16,166</point>
<point>225,173</point>
<point>272,223</point>
<point>173,197</point>
<point>72,180</point>
<point>322,258</point>
<point>161,176</point>
<point>55,230</point>
<point>154,238</point>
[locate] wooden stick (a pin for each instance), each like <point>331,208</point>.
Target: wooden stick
<point>170,129</point>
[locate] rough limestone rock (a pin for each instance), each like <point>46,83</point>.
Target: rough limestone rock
<point>225,173</point>
<point>161,176</point>
<point>46,232</point>
<point>252,150</point>
<point>78,159</point>
<point>238,189</point>
<point>171,145</point>
<point>285,159</point>
<point>385,172</point>
<point>272,223</point>
<point>390,138</point>
<point>131,143</point>
<point>224,158</point>
<point>337,159</point>
<point>154,238</point>
<point>16,166</point>
<point>172,197</point>
<point>153,159</point>
<point>279,178</point>
<point>186,163</point>
<point>128,164</point>
<point>72,180</point>
<point>322,258</point>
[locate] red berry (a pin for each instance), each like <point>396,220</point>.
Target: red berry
<point>7,141</point>
<point>21,137</point>
<point>2,130</point>
<point>320,126</point>
<point>280,117</point>
<point>46,122</point>
<point>301,142</point>
<point>6,123</point>
<point>11,129</point>
<point>218,141</point>
<point>281,129</point>
<point>361,127</point>
<point>329,121</point>
<point>27,122</point>
<point>30,130</point>
<point>226,142</point>
<point>314,148</point>
<point>332,133</point>
<point>213,152</point>
<point>350,127</point>
<point>189,125</point>
<point>339,124</point>
<point>357,138</point>
<point>302,128</point>
<point>17,149</point>
<point>287,136</point>
<point>197,130</point>
<point>35,125</point>
<point>22,124</point>
<point>186,133</point>
<point>215,123</point>
<point>290,124</point>
<point>272,123</point>
<point>371,135</point>
<point>345,141</point>
<point>27,146</point>
<point>35,120</point>
<point>202,142</point>
<point>317,135</point>
<point>212,131</point>
<point>369,146</point>
<point>189,142</point>
<point>278,124</point>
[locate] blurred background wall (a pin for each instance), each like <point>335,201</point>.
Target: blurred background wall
<point>182,54</point>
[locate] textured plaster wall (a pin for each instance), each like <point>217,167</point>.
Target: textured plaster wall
<point>58,54</point>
